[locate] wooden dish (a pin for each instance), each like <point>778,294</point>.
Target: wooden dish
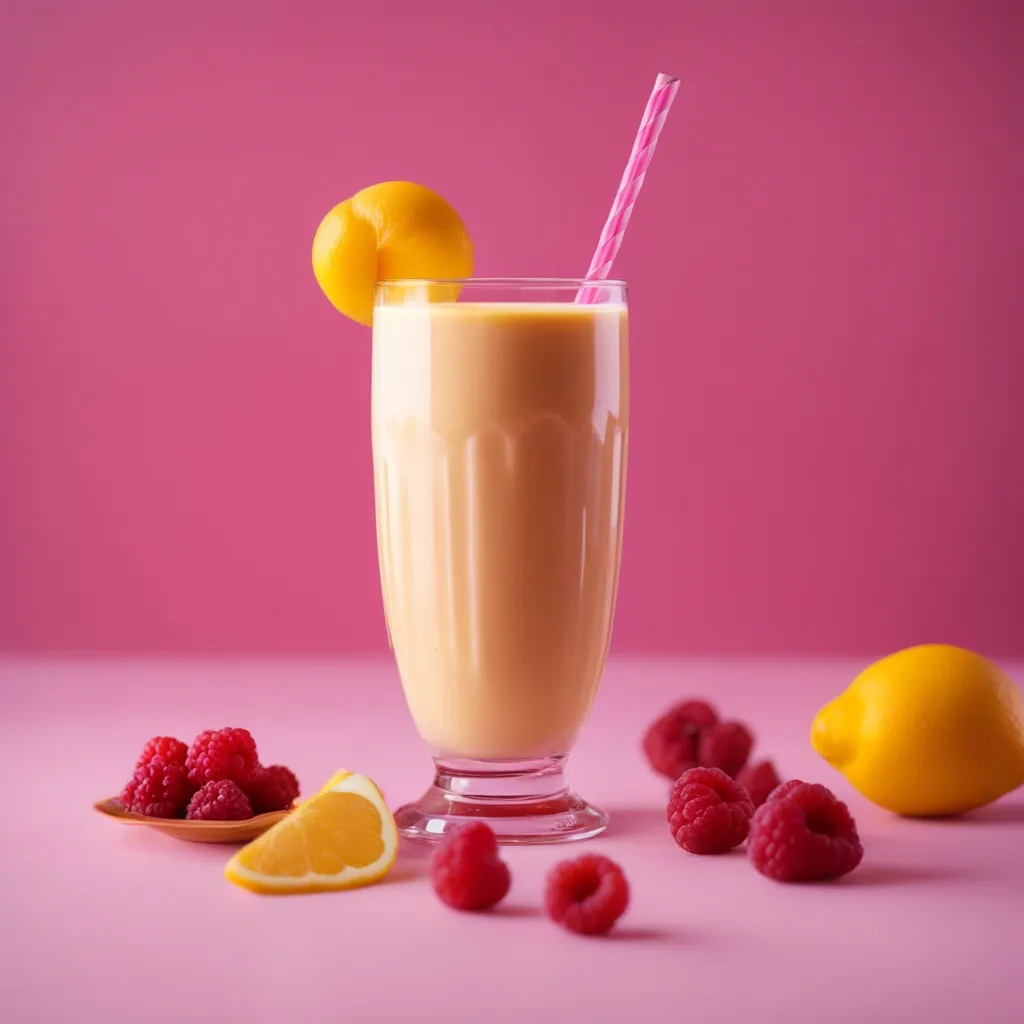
<point>195,831</point>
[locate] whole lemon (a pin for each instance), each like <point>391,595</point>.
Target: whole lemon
<point>931,730</point>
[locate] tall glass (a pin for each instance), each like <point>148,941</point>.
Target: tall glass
<point>500,416</point>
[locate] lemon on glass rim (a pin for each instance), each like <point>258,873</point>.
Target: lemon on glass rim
<point>929,731</point>
<point>387,232</point>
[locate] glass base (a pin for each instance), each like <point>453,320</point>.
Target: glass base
<point>524,802</point>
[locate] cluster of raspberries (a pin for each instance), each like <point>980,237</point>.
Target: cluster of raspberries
<point>691,735</point>
<point>795,831</point>
<point>217,778</point>
<point>801,833</point>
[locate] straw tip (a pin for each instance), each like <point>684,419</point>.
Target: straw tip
<point>664,79</point>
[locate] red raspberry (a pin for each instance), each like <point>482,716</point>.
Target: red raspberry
<point>725,746</point>
<point>273,788</point>
<point>804,834</point>
<point>171,750</point>
<point>783,789</point>
<point>466,871</point>
<point>219,801</point>
<point>759,780</point>
<point>586,895</point>
<point>670,742</point>
<point>158,789</point>
<point>218,754</point>
<point>708,812</point>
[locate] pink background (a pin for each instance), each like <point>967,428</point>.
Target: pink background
<point>828,448</point>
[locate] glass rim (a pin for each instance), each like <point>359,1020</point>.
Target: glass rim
<point>503,282</point>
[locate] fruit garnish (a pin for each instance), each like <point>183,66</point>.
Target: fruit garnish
<point>725,746</point>
<point>392,231</point>
<point>171,750</point>
<point>670,742</point>
<point>803,833</point>
<point>931,730</point>
<point>586,895</point>
<point>466,871</point>
<point>272,788</point>
<point>759,780</point>
<point>690,735</point>
<point>219,801</point>
<point>217,754</point>
<point>342,837</point>
<point>158,789</point>
<point>169,775</point>
<point>708,812</point>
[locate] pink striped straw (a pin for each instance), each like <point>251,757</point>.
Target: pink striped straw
<point>629,188</point>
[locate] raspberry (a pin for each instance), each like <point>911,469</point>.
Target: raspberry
<point>171,750</point>
<point>708,812</point>
<point>158,789</point>
<point>670,742</point>
<point>466,871</point>
<point>803,833</point>
<point>586,895</point>
<point>783,789</point>
<point>274,788</point>
<point>219,801</point>
<point>759,780</point>
<point>725,746</point>
<point>218,754</point>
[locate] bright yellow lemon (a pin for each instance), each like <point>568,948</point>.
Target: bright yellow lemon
<point>387,232</point>
<point>931,730</point>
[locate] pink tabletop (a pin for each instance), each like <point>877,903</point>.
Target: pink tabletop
<point>104,922</point>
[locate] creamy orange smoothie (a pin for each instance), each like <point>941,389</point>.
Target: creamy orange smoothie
<point>500,434</point>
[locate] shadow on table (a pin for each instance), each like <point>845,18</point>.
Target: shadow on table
<point>669,936</point>
<point>637,821</point>
<point>1002,812</point>
<point>994,814</point>
<point>516,910</point>
<point>902,874</point>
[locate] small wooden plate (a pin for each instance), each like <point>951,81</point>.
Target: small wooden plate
<point>195,831</point>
